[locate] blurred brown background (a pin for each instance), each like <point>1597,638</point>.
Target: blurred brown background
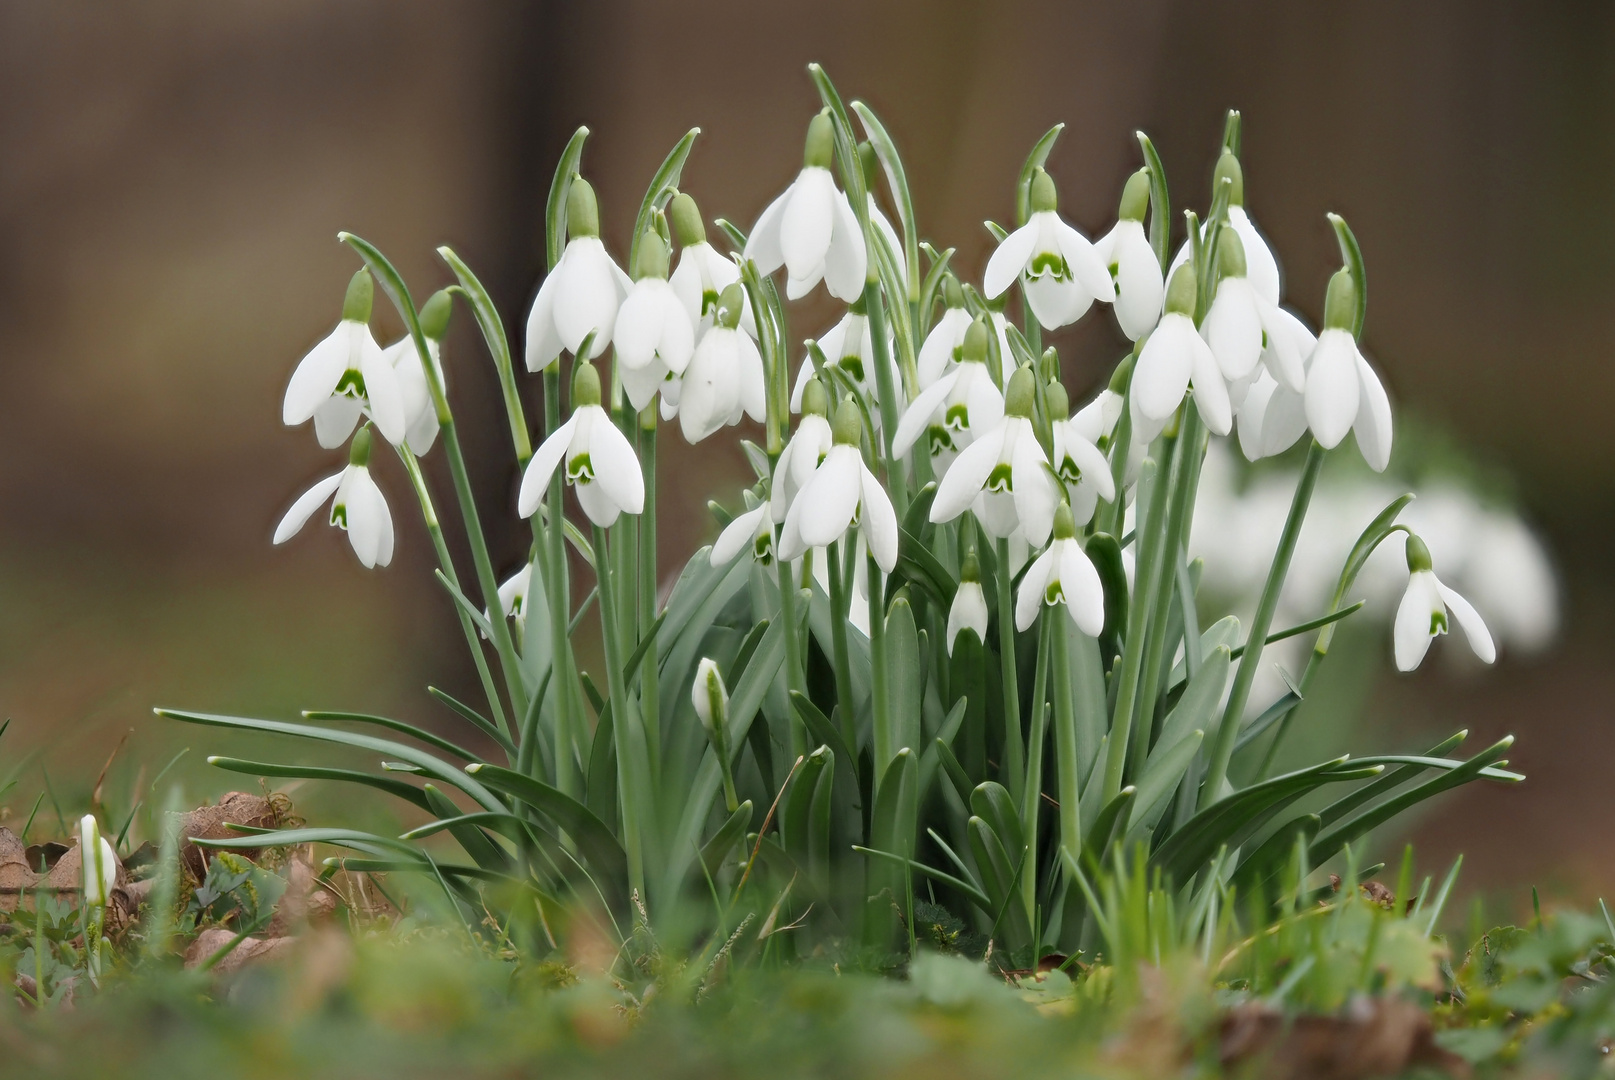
<point>172,177</point>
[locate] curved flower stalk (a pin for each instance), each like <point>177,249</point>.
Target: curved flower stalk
<point>1262,269</point>
<point>345,376</point>
<point>1080,464</point>
<point>357,507</point>
<point>702,274</point>
<point>842,493</point>
<point>654,334</point>
<point>1174,358</point>
<point>582,294</point>
<point>969,608</point>
<point>1422,615</point>
<point>1003,474</point>
<point>1126,251</point>
<point>848,347</point>
<point>599,463</point>
<point>804,453</point>
<point>421,424</point>
<point>724,379</point>
<point>811,229</point>
<point>1058,267</point>
<point>1243,328</point>
<point>942,347</point>
<point>1342,392</point>
<point>1063,575</point>
<point>956,407</point>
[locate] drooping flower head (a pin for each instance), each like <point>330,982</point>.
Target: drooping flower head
<point>599,463</point>
<point>1081,465</point>
<point>969,608</point>
<point>346,375</point>
<point>841,494</point>
<point>1422,615</point>
<point>1004,473</point>
<point>849,348</point>
<point>811,229</point>
<point>1343,393</point>
<point>753,531</point>
<point>1063,574</point>
<point>702,273</point>
<point>581,295</point>
<point>357,507</point>
<point>805,451</point>
<point>420,411</point>
<point>1261,267</point>
<point>1126,252</point>
<point>1174,357</point>
<point>1058,267</point>
<point>953,410</point>
<point>1243,328</point>
<point>724,379</point>
<point>654,334</point>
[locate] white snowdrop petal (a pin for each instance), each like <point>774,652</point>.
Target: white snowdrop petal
<point>1086,267</point>
<point>1092,463</point>
<point>541,466</point>
<point>334,420</point>
<point>1029,600</point>
<point>1139,289</point>
<point>1261,268</point>
<point>1161,376</point>
<point>1373,424</point>
<point>830,498</point>
<point>1084,593</point>
<point>808,223</point>
<point>364,513</point>
<point>1008,260</point>
<point>1210,392</point>
<point>1475,631</point>
<point>753,393</point>
<point>1333,388</point>
<point>587,296</point>
<point>937,350</point>
<point>968,612</point>
<point>638,329</point>
<point>1286,421</point>
<point>737,536</point>
<point>1033,487</point>
<point>600,507</point>
<point>846,262</point>
<point>763,245</point>
<point>543,340</point>
<point>917,417</point>
<point>303,509</point>
<point>965,477</point>
<point>1410,634</point>
<point>878,520</point>
<point>385,397</point>
<point>1233,328</point>
<point>316,376</point>
<point>616,469</point>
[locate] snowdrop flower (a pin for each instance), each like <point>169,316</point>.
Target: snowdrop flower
<point>752,530</point>
<point>99,861</point>
<point>848,347</point>
<point>811,229</point>
<point>1005,470</point>
<point>803,454</point>
<point>1423,613</point>
<point>654,334</point>
<point>581,295</point>
<point>842,493</point>
<point>1272,416</point>
<point>345,375</point>
<point>598,460</point>
<point>358,507</point>
<point>724,379</point>
<point>1132,262</point>
<point>956,406</point>
<point>1342,392</point>
<point>1261,268</point>
<point>710,697</point>
<point>1174,357</point>
<point>1063,575</point>
<point>1243,328</point>
<point>969,610</point>
<point>702,274</point>
<point>1081,465</point>
<point>420,411</point>
<point>513,594</point>
<point>1059,269</point>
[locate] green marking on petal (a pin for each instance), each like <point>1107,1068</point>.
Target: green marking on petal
<point>1053,593</point>
<point>579,468</point>
<point>1048,263</point>
<point>853,365</point>
<point>1001,479</point>
<point>940,439</point>
<point>350,385</point>
<point>957,418</point>
<point>1438,623</point>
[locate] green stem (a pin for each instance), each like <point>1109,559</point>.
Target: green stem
<point>1223,746</point>
<point>557,591</point>
<point>794,676</point>
<point>649,687</point>
<point>839,606</point>
<point>896,484</point>
<point>633,772</point>
<point>1121,442</point>
<point>1014,763</point>
<point>434,529</point>
<point>1032,790</point>
<point>885,734</point>
<point>1065,742</point>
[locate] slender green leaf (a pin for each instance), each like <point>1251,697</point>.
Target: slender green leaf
<point>1034,161</point>
<point>594,839</point>
<point>394,725</point>
<point>397,788</point>
<point>663,186</point>
<point>555,211</point>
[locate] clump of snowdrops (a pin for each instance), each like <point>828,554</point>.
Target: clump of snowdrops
<point>947,653</point>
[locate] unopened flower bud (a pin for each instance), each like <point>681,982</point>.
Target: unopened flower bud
<point>819,150</point>
<point>711,700</point>
<point>361,294</point>
<point>652,259</point>
<point>1043,196</point>
<point>687,225</point>
<point>585,385</point>
<point>1340,304</point>
<point>1021,394</point>
<point>100,865</point>
<point>1180,292</point>
<point>434,316</point>
<point>582,211</point>
<point>1135,197</point>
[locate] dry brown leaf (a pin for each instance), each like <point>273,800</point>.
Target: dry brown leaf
<point>213,823</point>
<point>251,950</point>
<point>1372,1037</point>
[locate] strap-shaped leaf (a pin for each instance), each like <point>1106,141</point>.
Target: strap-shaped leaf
<point>595,841</point>
<point>1163,772</point>
<point>795,821</point>
<point>992,803</point>
<point>969,891</point>
<point>932,758</point>
<point>897,183</point>
<point>730,833</point>
<point>1100,833</point>
<point>1160,202</point>
<point>394,725</point>
<point>468,834</point>
<point>396,788</point>
<point>1198,703</point>
<point>555,210</point>
<point>662,188</point>
<point>1034,161</point>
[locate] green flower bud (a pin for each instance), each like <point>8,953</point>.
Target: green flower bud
<point>582,211</point>
<point>1123,374</point>
<point>652,259</point>
<point>687,225</point>
<point>970,569</point>
<point>1418,555</point>
<point>952,295</point>
<point>870,163</point>
<point>1135,197</point>
<point>1065,526</point>
<point>1043,196</point>
<point>1230,253</point>
<point>821,142</point>
<point>730,306</point>
<point>1228,168</point>
<point>585,385</point>
<point>815,402</point>
<point>435,314</point>
<point>359,448</point>
<point>848,428</point>
<point>1048,365</point>
<point>1022,393</point>
<point>361,294</point>
<point>1180,292</point>
<point>1340,303</point>
<point>973,350</point>
<point>1059,401</point>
